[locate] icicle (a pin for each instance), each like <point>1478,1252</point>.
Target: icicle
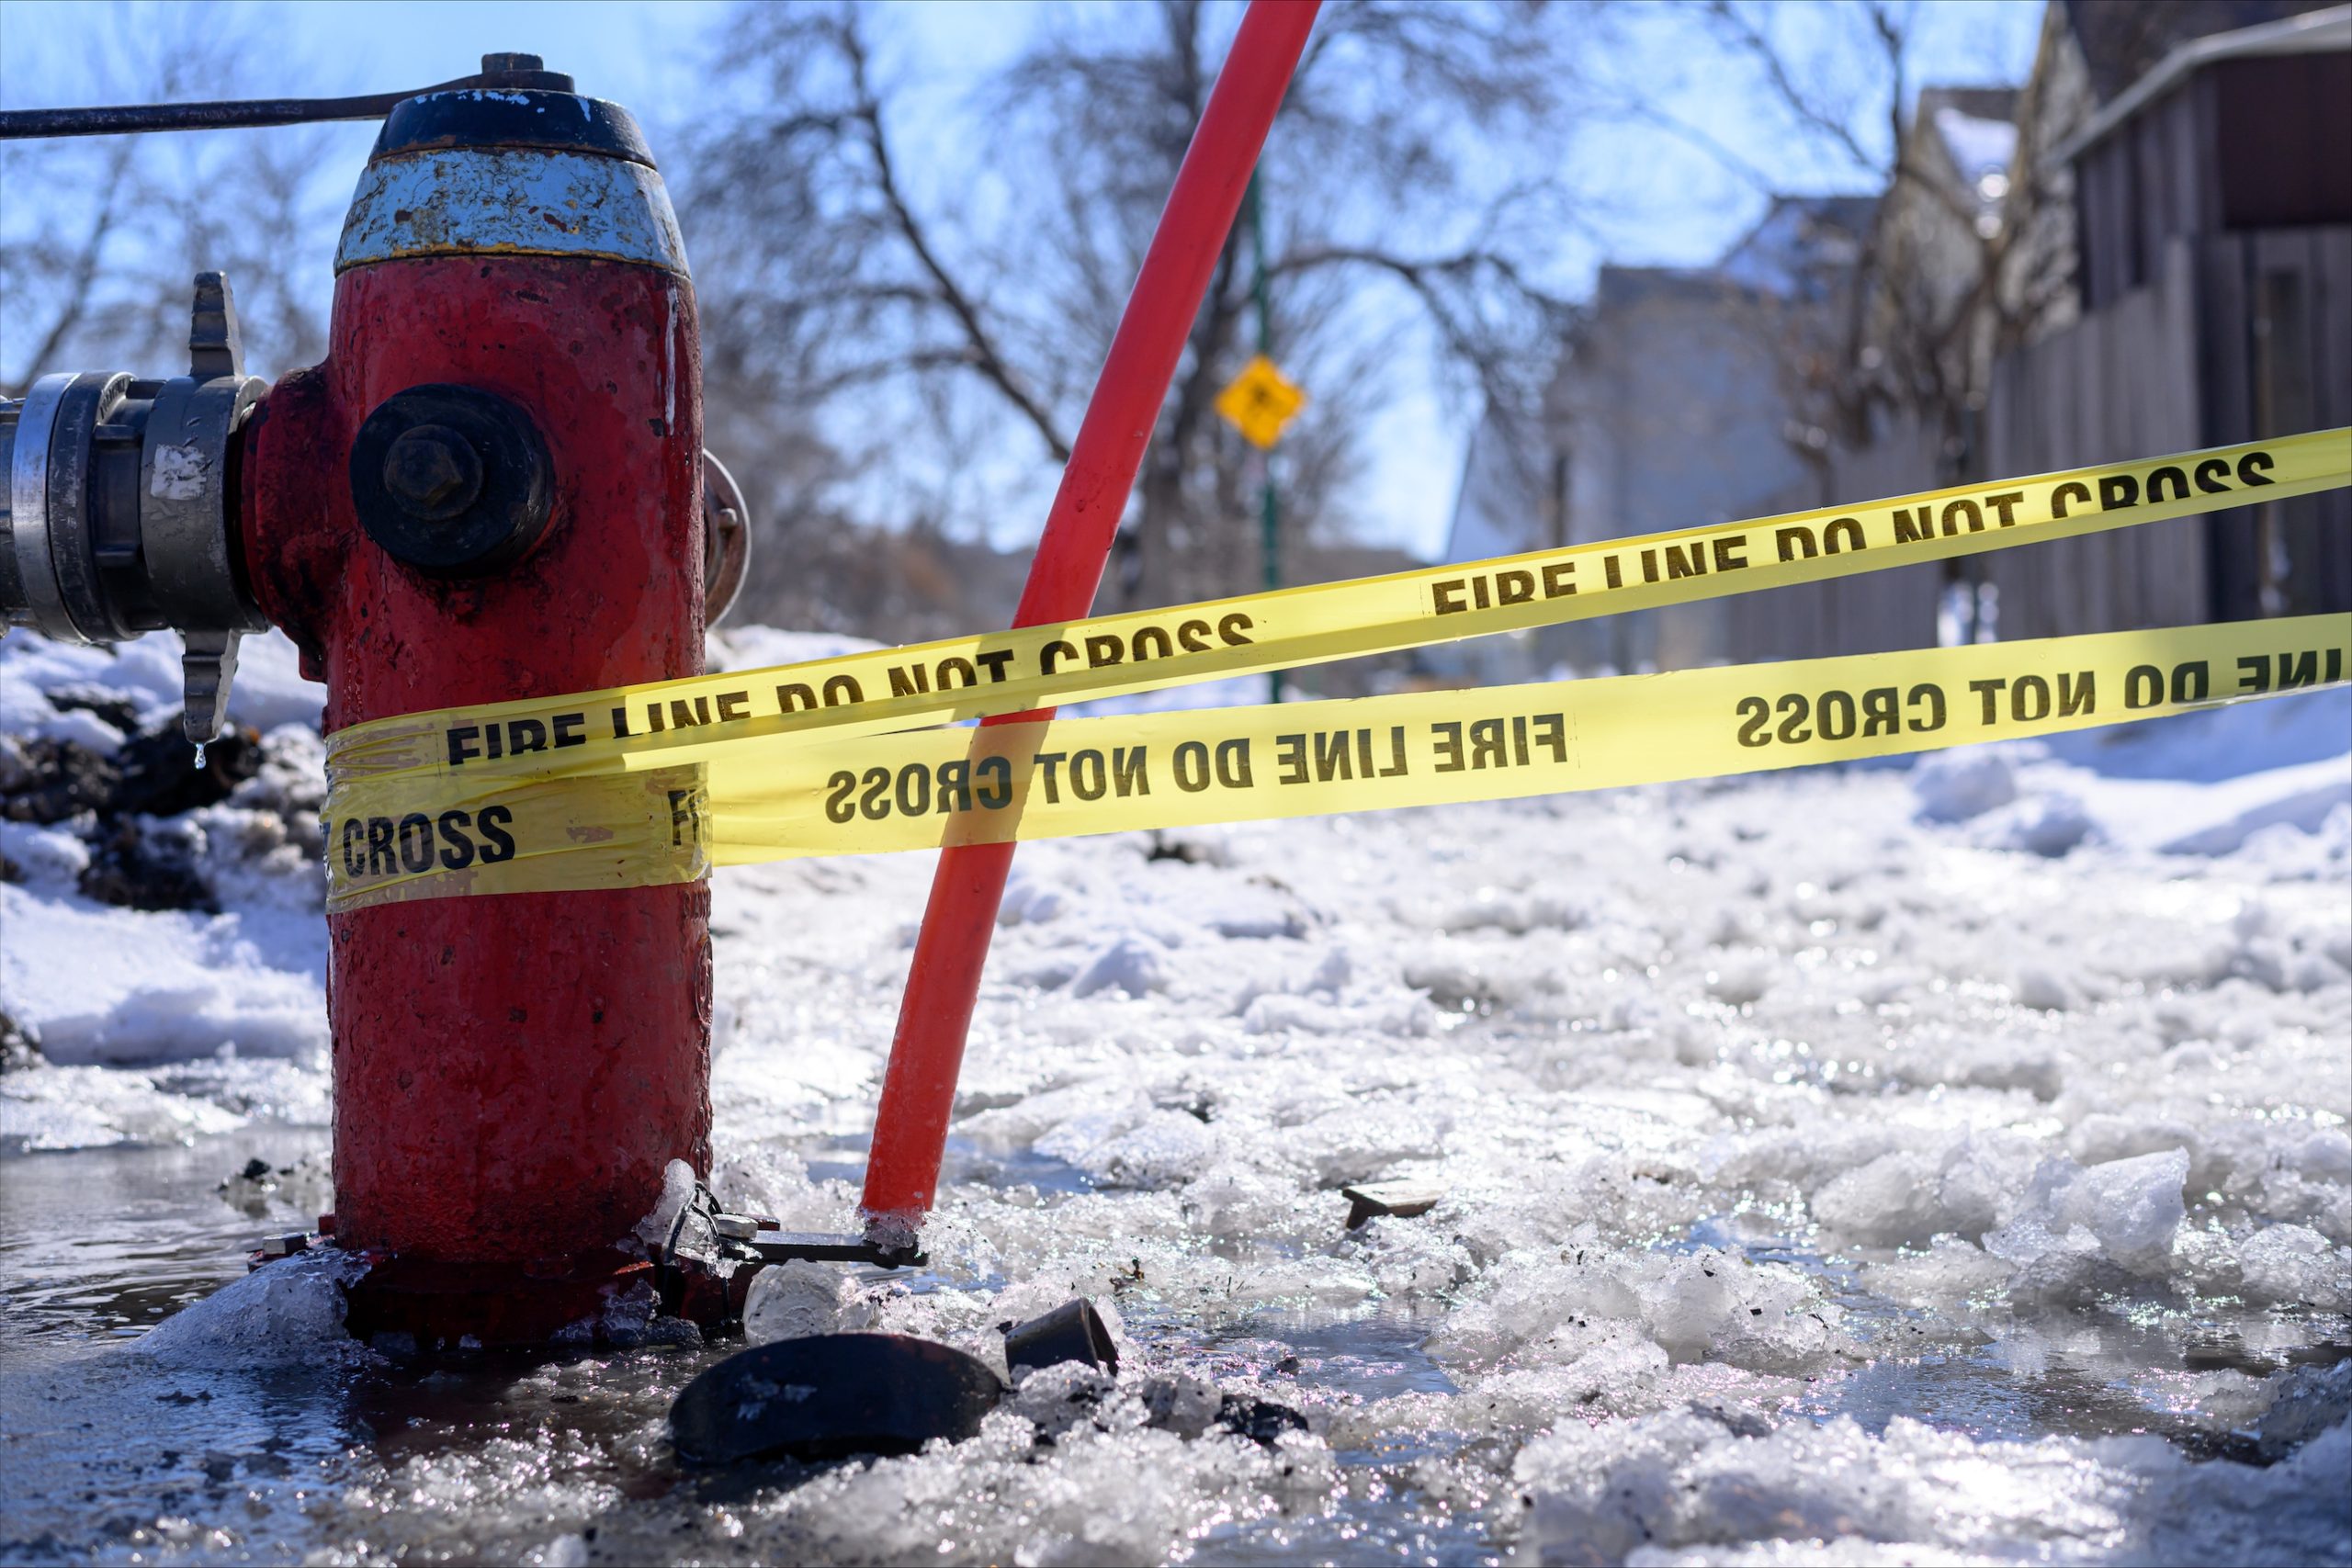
<point>199,756</point>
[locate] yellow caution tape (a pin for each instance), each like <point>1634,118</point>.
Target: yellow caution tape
<point>776,796</point>
<point>666,725</point>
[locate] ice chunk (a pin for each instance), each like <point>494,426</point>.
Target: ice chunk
<point>678,1183</point>
<point>2035,1067</point>
<point>1131,964</point>
<point>2305,1402</point>
<point>1894,1200</point>
<point>792,1301</point>
<point>2042,987</point>
<point>2048,825</point>
<point>563,1551</point>
<point>1332,972</point>
<point>1985,1180</point>
<point>1166,1149</point>
<point>2123,1213</point>
<point>1068,1394</point>
<point>1707,1305</point>
<point>1948,1276</point>
<point>1411,1258</point>
<point>2134,1206</point>
<point>2294,1266</point>
<point>286,1312</point>
<point>1953,787</point>
<point>1181,1404</point>
<point>2104,1136</point>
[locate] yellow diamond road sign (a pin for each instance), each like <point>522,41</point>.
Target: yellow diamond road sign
<point>1260,401</point>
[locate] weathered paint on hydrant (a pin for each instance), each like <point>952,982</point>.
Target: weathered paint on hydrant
<point>490,489</point>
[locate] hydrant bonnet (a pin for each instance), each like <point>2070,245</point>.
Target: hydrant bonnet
<point>481,170</point>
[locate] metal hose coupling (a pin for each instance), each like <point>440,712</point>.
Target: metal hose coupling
<point>118,509</point>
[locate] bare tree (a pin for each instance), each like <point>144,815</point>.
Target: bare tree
<point>1944,275</point>
<point>977,308</point>
<point>104,235</point>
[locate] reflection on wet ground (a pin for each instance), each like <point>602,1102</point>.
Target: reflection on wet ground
<point>112,1454</point>
<point>2117,1369</point>
<point>109,1241</point>
<point>844,1159</point>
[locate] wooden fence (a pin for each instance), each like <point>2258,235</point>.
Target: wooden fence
<point>2277,350</point>
<point>2239,336</point>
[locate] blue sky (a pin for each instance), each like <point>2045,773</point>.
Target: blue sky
<point>1655,201</point>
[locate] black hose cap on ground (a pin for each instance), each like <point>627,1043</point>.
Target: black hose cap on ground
<point>1071,1332</point>
<point>829,1396</point>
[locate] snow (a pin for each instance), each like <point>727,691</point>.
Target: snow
<point>757,647</point>
<point>268,689</point>
<point>799,1298</point>
<point>1937,1162</point>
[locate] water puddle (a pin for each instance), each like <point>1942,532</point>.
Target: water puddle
<point>2118,1369</point>
<point>110,1455</point>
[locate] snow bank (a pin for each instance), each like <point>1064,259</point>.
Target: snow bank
<point>106,986</point>
<point>269,690</point>
<point>757,647</point>
<point>2206,785</point>
<point>2011,1088</point>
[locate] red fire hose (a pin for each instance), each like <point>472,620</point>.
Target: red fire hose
<point>927,1052</point>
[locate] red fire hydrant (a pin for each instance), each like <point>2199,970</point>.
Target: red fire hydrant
<point>490,490</point>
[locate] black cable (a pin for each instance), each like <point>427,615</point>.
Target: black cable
<point>232,115</point>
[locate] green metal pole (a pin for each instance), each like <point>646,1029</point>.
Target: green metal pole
<point>1269,511</point>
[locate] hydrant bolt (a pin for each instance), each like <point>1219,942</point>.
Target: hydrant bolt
<point>432,472</point>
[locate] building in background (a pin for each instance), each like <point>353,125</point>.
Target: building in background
<point>2212,239</point>
<point>2144,249</point>
<point>1675,406</point>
